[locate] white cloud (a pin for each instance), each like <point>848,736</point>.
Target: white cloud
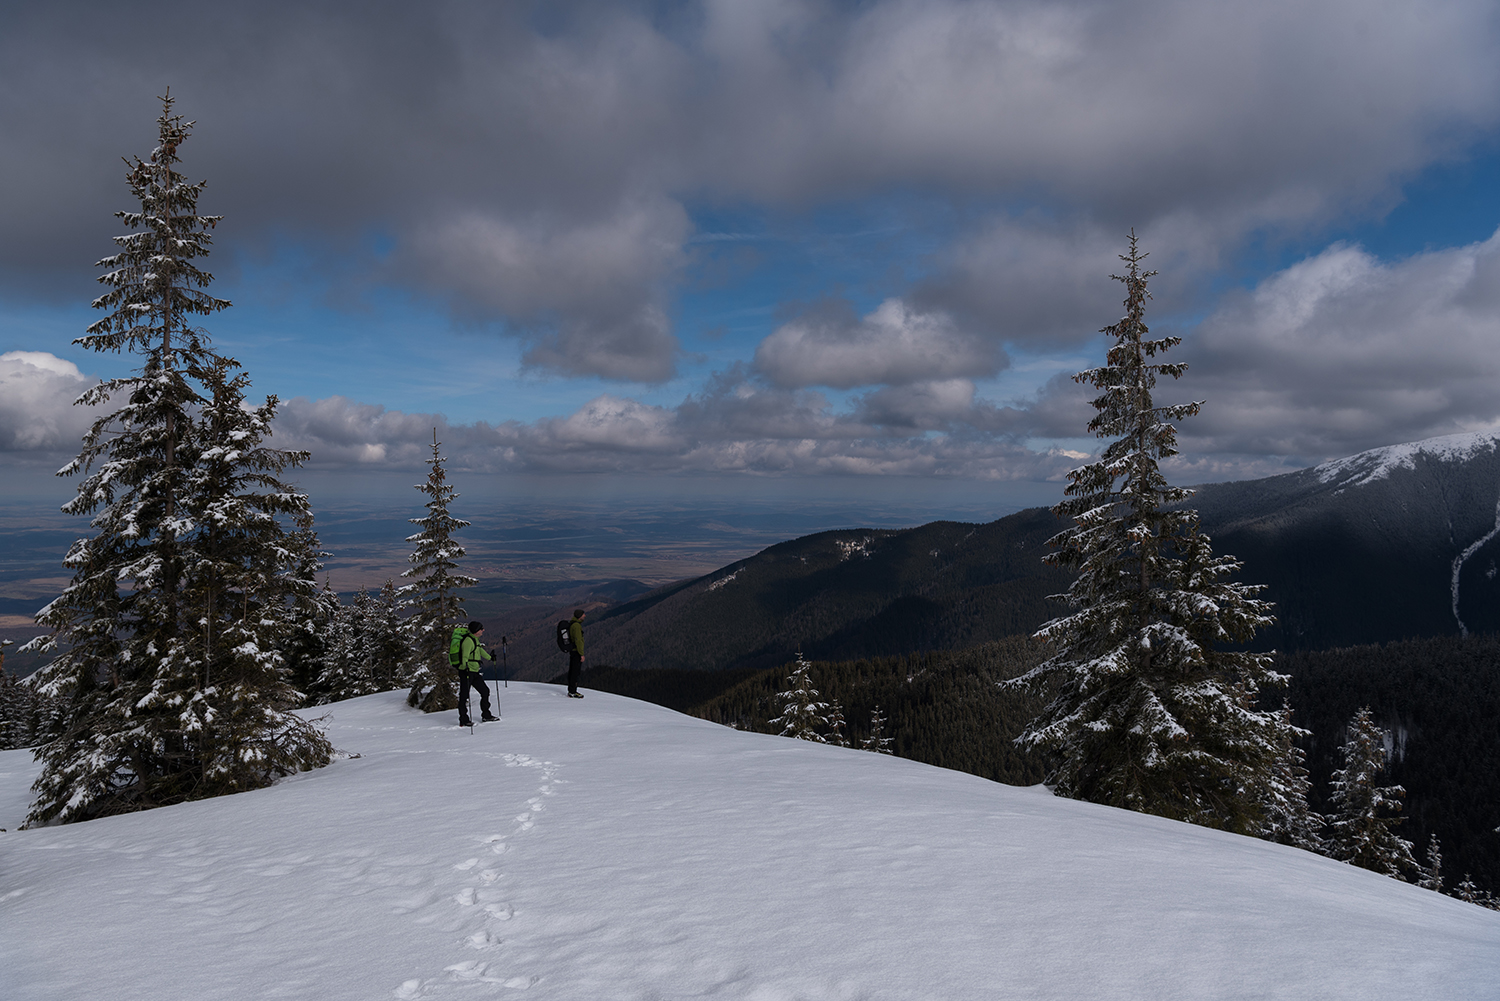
<point>1342,352</point>
<point>37,390</point>
<point>736,426</point>
<point>895,344</point>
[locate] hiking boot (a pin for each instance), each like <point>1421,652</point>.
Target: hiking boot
<point>575,695</point>
<point>487,718</point>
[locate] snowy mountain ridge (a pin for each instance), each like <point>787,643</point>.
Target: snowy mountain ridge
<point>607,848</point>
<point>1364,468</point>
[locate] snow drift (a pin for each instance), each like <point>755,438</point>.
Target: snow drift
<point>607,848</point>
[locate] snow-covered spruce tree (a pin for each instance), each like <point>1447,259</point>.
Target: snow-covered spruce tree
<point>802,715</point>
<point>877,741</point>
<point>1362,825</point>
<point>310,613</point>
<point>1432,872</point>
<point>836,724</point>
<point>245,586</point>
<point>167,672</point>
<point>391,663</point>
<point>1149,711</point>
<point>347,653</point>
<point>27,717</point>
<point>436,607</point>
<point>1467,891</point>
<point>1288,819</point>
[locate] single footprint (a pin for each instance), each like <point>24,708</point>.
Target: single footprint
<point>465,896</point>
<point>466,866</point>
<point>490,875</point>
<point>500,912</point>
<point>410,989</point>
<point>484,940</point>
<point>467,970</point>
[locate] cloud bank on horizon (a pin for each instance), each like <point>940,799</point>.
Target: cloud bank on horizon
<point>781,238</point>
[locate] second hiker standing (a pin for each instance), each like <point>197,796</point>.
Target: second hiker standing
<point>575,655</point>
<point>470,653</point>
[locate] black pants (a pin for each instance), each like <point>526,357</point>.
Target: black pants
<point>467,680</point>
<point>575,664</point>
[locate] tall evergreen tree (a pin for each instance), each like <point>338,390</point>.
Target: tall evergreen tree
<point>1363,823</point>
<point>436,606</point>
<point>168,632</point>
<point>1149,709</point>
<point>802,715</point>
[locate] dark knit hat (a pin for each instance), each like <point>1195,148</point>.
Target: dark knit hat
<point>475,626</point>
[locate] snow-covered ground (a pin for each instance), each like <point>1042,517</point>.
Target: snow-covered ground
<point>605,848</point>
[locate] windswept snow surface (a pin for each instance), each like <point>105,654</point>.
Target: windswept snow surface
<point>605,848</point>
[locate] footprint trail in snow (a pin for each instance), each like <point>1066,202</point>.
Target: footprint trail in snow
<point>481,900</point>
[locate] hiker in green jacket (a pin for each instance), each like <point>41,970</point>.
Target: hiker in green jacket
<point>575,655</point>
<point>470,653</point>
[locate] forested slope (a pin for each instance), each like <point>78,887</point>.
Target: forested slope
<point>844,595</point>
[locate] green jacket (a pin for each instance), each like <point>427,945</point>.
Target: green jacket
<point>575,630</point>
<point>470,652</point>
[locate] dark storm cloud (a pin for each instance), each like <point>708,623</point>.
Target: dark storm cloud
<point>532,162</point>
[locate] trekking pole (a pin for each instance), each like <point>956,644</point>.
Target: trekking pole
<point>499,712</point>
<point>504,666</point>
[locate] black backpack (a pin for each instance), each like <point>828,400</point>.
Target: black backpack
<point>565,635</point>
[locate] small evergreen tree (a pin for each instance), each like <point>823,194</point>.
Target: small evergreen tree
<point>802,715</point>
<point>1468,892</point>
<point>877,741</point>
<point>1288,819</point>
<point>1432,872</point>
<point>169,631</point>
<point>436,607</point>
<point>1362,826</point>
<point>836,724</point>
<point>1148,709</point>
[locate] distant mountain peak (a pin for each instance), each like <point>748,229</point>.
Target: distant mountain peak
<point>1378,463</point>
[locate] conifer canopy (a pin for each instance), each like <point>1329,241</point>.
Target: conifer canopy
<point>1150,708</point>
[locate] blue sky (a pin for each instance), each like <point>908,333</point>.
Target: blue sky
<point>830,250</point>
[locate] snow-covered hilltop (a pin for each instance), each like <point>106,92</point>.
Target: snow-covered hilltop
<point>607,848</point>
<point>1366,467</point>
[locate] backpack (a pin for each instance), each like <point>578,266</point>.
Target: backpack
<point>456,646</point>
<point>565,635</point>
